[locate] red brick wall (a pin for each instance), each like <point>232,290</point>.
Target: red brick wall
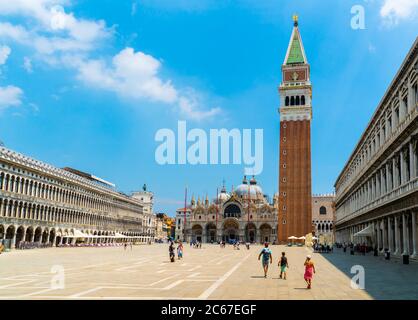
<point>298,199</point>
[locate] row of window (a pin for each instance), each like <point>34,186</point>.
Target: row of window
<point>392,174</point>
<point>23,210</point>
<point>45,191</point>
<point>382,130</point>
<point>294,101</point>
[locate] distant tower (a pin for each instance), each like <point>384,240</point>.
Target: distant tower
<point>295,200</point>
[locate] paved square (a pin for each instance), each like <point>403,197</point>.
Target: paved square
<point>208,273</point>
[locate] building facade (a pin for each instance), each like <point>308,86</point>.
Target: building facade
<point>163,226</point>
<point>323,217</point>
<point>295,218</point>
<point>377,190</point>
<point>149,222</point>
<point>242,215</point>
<point>182,219</point>
<point>46,205</point>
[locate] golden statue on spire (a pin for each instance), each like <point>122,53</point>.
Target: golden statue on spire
<point>295,20</point>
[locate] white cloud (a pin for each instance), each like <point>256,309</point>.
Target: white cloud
<point>393,11</point>
<point>56,30</point>
<point>63,40</point>
<point>27,64</point>
<point>10,96</point>
<point>4,54</point>
<point>189,106</point>
<point>135,75</point>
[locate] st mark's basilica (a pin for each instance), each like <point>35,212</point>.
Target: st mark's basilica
<point>243,214</point>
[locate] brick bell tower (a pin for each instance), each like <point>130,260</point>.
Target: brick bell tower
<point>295,199</point>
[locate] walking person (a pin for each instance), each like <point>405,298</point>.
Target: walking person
<point>309,271</point>
<point>180,251</point>
<point>171,251</point>
<point>283,266</point>
<point>267,257</point>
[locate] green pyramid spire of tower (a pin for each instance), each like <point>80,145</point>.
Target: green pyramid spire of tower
<point>295,52</point>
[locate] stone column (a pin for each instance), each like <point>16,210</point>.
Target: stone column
<point>412,160</point>
<point>411,97</point>
<point>414,234</point>
<point>24,234</point>
<point>383,182</point>
<point>405,234</point>
<point>397,236</point>
<point>379,240</point>
<point>394,174</point>
<point>390,235</point>
<point>13,242</point>
<point>384,242</point>
<point>403,167</point>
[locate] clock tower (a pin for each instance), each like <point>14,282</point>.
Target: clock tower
<point>295,199</point>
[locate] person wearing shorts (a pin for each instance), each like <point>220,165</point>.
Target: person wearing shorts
<point>309,271</point>
<point>267,257</point>
<point>283,266</point>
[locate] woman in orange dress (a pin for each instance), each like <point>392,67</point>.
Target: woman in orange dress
<point>309,270</point>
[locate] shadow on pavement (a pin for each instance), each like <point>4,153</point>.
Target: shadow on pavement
<point>384,279</point>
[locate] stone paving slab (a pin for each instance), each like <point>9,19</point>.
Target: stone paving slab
<point>208,273</point>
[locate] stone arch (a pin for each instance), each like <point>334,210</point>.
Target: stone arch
<point>10,232</point>
<point>51,236</point>
<point>38,234</point>
<point>197,233</point>
<point>266,232</point>
<point>20,235</point>
<point>211,232</point>
<point>45,235</point>
<point>2,231</point>
<point>29,234</point>
<point>250,232</point>
<point>230,230</point>
<point>232,210</point>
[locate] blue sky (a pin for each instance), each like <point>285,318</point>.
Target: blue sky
<point>87,84</point>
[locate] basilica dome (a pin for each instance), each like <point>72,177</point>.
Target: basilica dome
<point>223,195</point>
<point>251,188</point>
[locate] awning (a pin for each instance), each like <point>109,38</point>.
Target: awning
<point>118,235</point>
<point>77,234</point>
<point>366,232</point>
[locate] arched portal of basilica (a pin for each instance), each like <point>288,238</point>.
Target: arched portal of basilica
<point>230,230</point>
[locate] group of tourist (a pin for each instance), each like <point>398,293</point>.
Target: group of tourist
<point>283,264</point>
<point>196,244</point>
<point>171,251</point>
<point>265,256</point>
<point>322,248</point>
<point>23,245</point>
<point>361,248</point>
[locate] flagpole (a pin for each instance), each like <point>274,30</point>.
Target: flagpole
<point>217,200</point>
<point>248,209</point>
<point>185,204</point>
